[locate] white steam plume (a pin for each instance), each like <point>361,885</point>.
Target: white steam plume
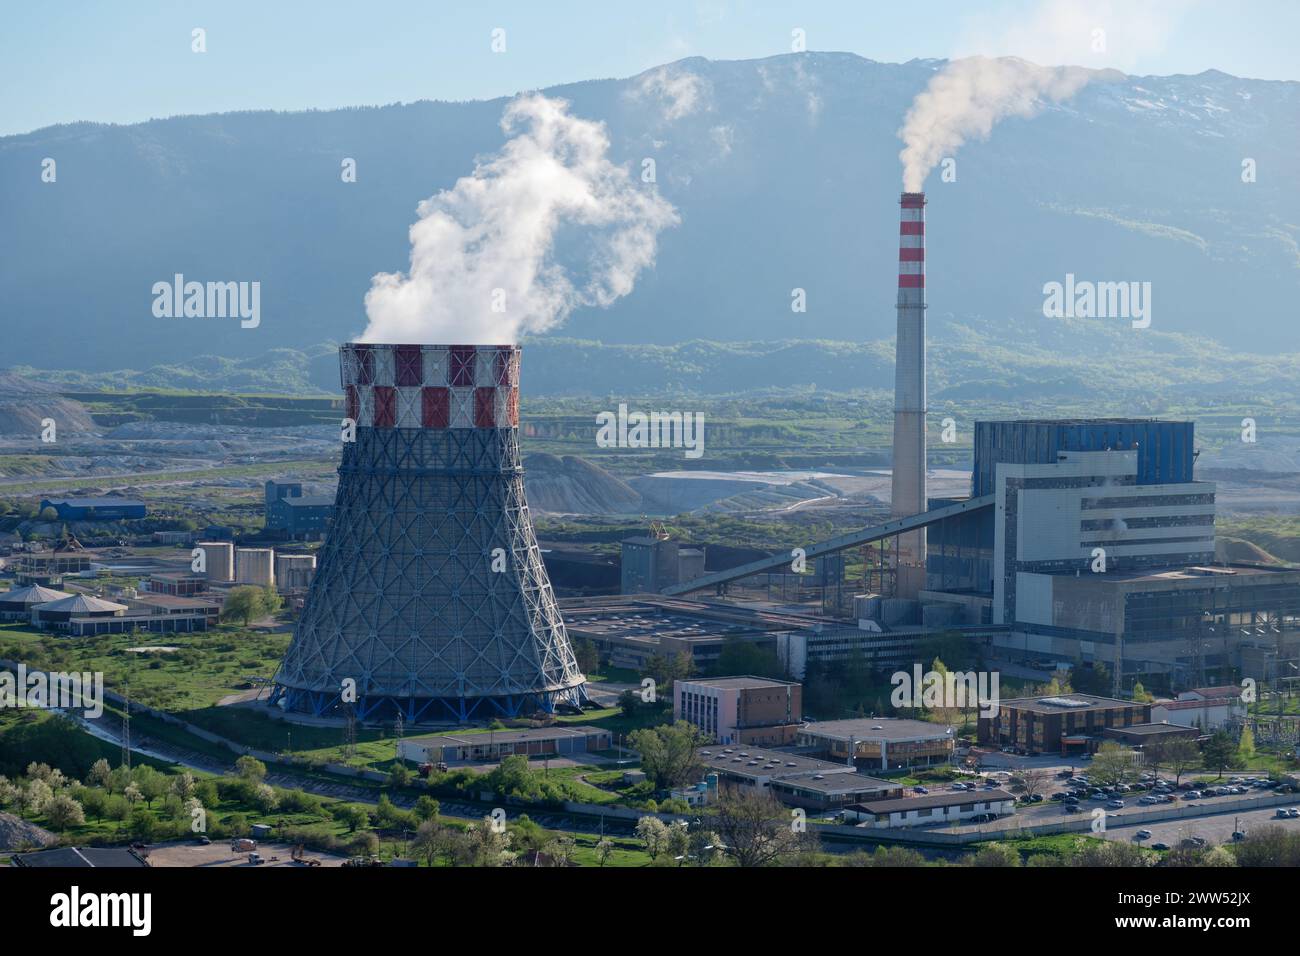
<point>483,253</point>
<point>967,98</point>
<point>972,93</point>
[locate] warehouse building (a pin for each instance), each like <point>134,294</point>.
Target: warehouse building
<point>886,743</point>
<point>96,509</point>
<point>936,809</point>
<point>495,745</point>
<point>741,710</point>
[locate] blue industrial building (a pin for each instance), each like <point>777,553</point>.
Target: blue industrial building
<point>1165,449</point>
<point>301,517</point>
<point>95,509</point>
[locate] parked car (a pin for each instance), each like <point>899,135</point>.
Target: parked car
<point>1036,798</point>
<point>921,790</point>
<point>1115,804</point>
<point>1192,795</point>
<point>1292,812</point>
<point>1143,834</point>
<point>1239,835</point>
<point>1072,808</point>
<point>1148,800</point>
<point>1281,814</point>
<point>1159,846</point>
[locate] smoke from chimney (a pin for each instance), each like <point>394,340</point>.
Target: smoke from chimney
<point>968,97</point>
<point>484,266</point>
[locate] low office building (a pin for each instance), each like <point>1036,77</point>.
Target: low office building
<point>887,743</point>
<point>1064,724</point>
<point>794,779</point>
<point>932,810</point>
<point>1142,736</point>
<point>82,615</point>
<point>498,744</point>
<point>741,710</point>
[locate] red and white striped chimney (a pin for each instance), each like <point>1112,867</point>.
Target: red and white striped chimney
<point>908,485</point>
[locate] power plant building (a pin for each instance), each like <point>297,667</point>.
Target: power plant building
<point>430,595</point>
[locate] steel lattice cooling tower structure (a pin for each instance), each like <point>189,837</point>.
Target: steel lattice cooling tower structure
<point>908,482</point>
<point>430,591</point>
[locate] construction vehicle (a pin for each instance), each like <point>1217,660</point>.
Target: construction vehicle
<point>301,859</point>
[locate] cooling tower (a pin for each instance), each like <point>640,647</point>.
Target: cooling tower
<point>908,484</point>
<point>430,592</point>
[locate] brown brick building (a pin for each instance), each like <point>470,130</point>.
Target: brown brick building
<point>1065,724</point>
<point>741,710</point>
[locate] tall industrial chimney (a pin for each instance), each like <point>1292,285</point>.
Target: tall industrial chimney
<point>908,494</point>
<point>430,598</point>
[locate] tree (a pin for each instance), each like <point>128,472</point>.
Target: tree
<point>271,602</point>
<point>669,753</point>
<point>996,854</point>
<point>250,768</point>
<point>1033,780</point>
<point>1220,753</point>
<point>431,841</point>
<point>1246,744</point>
<point>1140,693</point>
<point>353,817</point>
<point>99,774</point>
<point>679,841</point>
<point>587,656</point>
<point>486,844</point>
<point>1113,764</point>
<point>603,851</point>
<point>560,849</point>
<point>427,808</point>
<point>756,829</point>
<point>1179,755</point>
<point>741,656</point>
<point>400,776</point>
<point>183,785</point>
<point>61,811</point>
<point>242,604</point>
<point>653,832</point>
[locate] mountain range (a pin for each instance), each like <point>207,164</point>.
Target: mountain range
<point>785,174</point>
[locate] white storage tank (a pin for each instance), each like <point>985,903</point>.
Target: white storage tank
<point>255,566</point>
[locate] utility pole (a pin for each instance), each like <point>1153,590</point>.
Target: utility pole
<point>126,728</point>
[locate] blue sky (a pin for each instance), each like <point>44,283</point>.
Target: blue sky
<point>131,60</point>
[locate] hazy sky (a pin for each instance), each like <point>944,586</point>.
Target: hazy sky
<point>131,60</point>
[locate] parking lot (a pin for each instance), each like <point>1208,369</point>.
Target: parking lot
<point>218,853</point>
<point>1053,811</point>
<point>1215,828</point>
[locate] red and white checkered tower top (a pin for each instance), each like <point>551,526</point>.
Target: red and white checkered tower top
<point>431,386</point>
